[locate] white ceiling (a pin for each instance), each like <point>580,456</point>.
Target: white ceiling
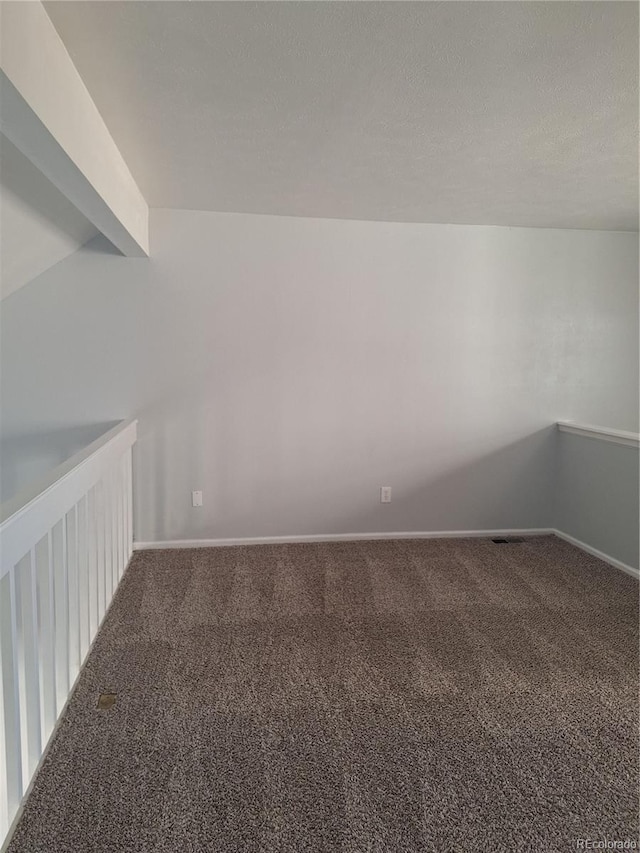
<point>467,112</point>
<point>38,226</point>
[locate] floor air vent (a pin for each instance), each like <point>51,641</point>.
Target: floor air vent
<point>106,701</point>
<point>510,540</point>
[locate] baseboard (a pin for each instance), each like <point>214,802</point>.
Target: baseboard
<point>618,564</point>
<point>340,537</point>
<point>402,534</point>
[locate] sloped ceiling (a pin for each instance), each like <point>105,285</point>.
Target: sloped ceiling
<point>459,112</point>
<point>38,226</point>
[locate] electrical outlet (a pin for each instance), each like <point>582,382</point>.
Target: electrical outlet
<point>385,494</point>
<point>196,498</point>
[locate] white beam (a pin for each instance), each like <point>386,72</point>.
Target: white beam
<point>47,112</point>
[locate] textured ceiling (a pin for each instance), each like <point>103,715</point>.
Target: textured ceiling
<point>491,113</point>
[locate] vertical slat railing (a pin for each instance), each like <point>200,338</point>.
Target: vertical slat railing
<point>73,601</point>
<point>121,522</point>
<point>28,678</point>
<point>63,551</point>
<point>84,602</point>
<point>108,543</point>
<point>101,551</point>
<point>11,734</point>
<point>60,613</point>
<point>128,496</point>
<point>46,635</point>
<point>92,545</point>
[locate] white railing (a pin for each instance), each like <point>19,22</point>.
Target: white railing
<point>64,546</point>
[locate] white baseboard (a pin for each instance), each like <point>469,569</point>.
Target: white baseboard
<point>340,537</point>
<point>403,534</point>
<point>618,564</point>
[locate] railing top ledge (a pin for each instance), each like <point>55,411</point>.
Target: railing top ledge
<point>615,436</point>
<point>125,434</point>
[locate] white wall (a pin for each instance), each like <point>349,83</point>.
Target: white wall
<point>289,367</point>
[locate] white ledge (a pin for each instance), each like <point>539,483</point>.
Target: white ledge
<point>615,436</point>
<point>122,435</point>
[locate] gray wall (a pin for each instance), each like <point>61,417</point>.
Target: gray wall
<point>290,367</point>
<point>38,225</point>
<point>597,495</point>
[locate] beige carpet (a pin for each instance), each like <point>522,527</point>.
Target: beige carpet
<point>435,695</point>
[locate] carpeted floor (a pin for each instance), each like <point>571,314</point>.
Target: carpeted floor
<point>434,695</point>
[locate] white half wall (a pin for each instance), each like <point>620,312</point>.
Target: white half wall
<point>289,367</point>
<point>598,495</point>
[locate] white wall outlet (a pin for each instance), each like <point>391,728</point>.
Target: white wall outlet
<point>196,498</point>
<point>385,494</point>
